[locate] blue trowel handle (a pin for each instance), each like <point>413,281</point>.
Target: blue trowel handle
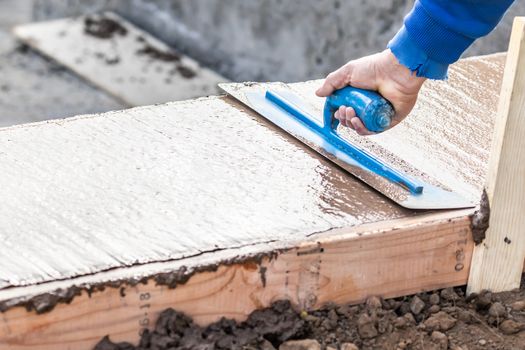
<point>375,112</point>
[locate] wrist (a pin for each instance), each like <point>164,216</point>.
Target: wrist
<point>410,55</point>
<point>400,74</point>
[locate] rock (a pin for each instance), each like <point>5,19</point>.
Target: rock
<point>305,344</point>
<point>511,327</point>
<point>434,299</point>
<point>400,322</point>
<point>440,321</point>
<point>440,339</point>
<point>402,345</point>
<point>349,346</point>
<point>312,319</point>
<point>410,319</point>
<point>344,310</point>
<point>497,310</point>
<point>449,294</point>
<point>404,321</point>
<point>518,305</point>
<point>366,327</point>
<point>484,300</point>
<point>404,308</point>
<point>374,302</point>
<point>482,342</point>
<point>456,347</point>
<point>332,315</point>
<point>266,345</point>
<point>417,305</point>
<point>433,309</point>
<point>465,316</point>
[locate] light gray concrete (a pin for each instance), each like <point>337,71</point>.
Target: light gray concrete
<point>288,40</point>
<point>33,88</point>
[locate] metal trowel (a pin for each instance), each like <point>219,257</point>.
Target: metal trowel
<point>286,110</point>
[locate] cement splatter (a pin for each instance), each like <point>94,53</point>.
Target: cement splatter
<point>103,27</point>
<point>480,219</point>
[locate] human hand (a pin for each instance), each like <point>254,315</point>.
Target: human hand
<point>380,72</point>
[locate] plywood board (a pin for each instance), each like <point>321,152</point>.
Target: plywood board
<point>121,59</point>
<point>498,261</point>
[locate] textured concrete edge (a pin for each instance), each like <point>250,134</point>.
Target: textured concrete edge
<point>44,297</point>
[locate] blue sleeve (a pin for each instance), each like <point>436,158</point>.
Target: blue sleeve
<point>436,32</point>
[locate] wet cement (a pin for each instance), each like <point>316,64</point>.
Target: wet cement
<point>103,27</point>
<point>446,139</point>
<point>153,184</point>
<point>480,219</point>
<point>167,56</point>
<point>155,53</point>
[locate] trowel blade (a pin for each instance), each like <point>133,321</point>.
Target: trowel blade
<point>432,197</point>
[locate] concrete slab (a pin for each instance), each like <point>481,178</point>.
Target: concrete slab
<point>102,212</point>
<point>121,59</point>
<point>159,183</point>
<point>173,181</point>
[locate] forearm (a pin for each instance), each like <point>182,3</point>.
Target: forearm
<point>437,32</point>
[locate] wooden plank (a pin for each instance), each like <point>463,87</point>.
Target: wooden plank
<point>130,64</point>
<point>498,261</point>
<point>391,259</point>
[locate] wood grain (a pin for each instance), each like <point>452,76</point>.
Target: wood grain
<point>498,261</point>
<point>392,258</point>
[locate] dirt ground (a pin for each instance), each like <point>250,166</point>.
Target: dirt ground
<point>439,320</point>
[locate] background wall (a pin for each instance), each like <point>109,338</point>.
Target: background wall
<point>287,40</point>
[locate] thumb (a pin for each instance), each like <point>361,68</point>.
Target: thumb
<point>335,81</point>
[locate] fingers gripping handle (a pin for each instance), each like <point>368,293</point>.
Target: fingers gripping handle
<point>375,112</point>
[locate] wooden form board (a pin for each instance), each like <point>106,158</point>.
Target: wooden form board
<point>130,64</point>
<point>391,258</point>
<point>498,260</point>
<point>134,193</point>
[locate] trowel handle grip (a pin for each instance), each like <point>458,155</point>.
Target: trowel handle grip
<point>375,112</point>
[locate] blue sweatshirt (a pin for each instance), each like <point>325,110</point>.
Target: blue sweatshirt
<point>436,32</point>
